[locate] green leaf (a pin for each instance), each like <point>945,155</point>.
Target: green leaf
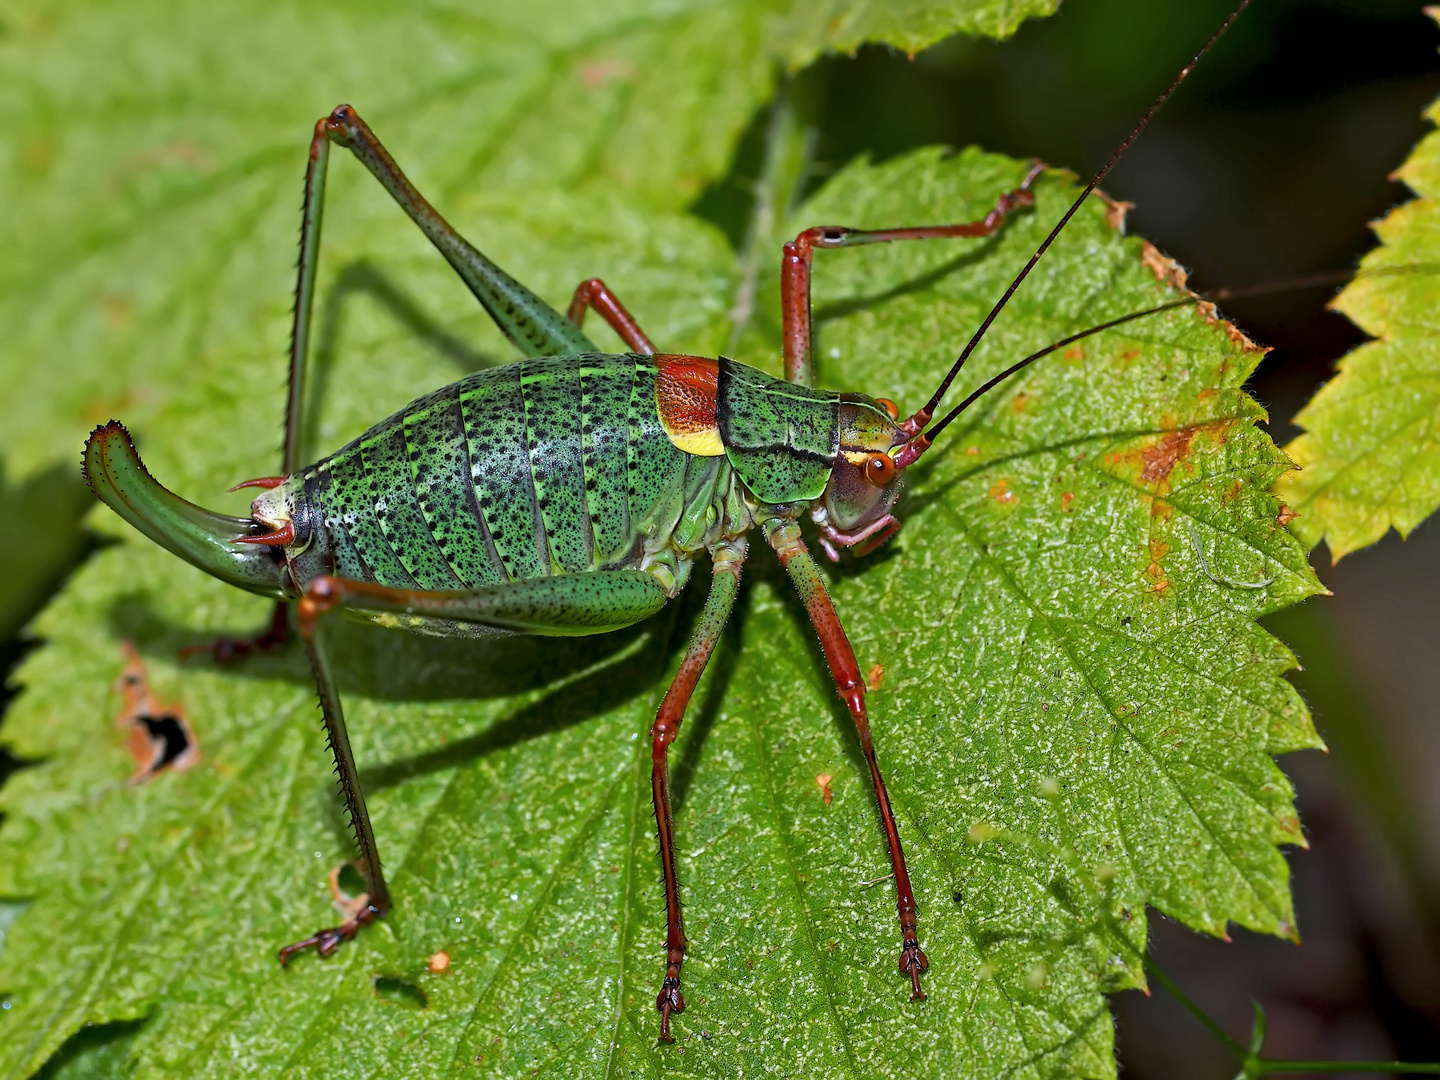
<point>1076,717</point>
<point>1077,714</point>
<point>1370,455</point>
<point>154,152</point>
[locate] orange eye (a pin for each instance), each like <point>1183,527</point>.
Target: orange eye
<point>879,469</point>
<point>889,406</point>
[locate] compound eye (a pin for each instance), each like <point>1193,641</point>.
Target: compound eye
<point>890,407</point>
<point>879,469</point>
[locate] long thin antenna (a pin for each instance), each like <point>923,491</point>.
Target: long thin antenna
<point>921,441</point>
<point>1313,280</point>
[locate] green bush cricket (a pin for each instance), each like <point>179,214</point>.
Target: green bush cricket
<point>570,494</point>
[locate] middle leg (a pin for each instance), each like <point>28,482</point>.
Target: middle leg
<point>723,587</point>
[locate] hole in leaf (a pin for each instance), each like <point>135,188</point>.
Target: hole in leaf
<point>350,881</point>
<point>167,735</point>
<point>399,992</point>
<point>96,1051</point>
<point>160,737</point>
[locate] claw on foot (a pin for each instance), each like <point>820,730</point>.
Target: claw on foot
<point>670,1001</point>
<point>327,941</point>
<point>225,649</point>
<point>913,962</point>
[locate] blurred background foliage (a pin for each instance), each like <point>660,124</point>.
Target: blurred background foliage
<point>1268,165</point>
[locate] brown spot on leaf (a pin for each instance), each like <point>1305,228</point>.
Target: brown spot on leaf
<point>822,781</point>
<point>1285,516</point>
<point>1161,457</point>
<point>1115,210</point>
<point>1001,492</point>
<point>1165,269</point>
<point>874,677</point>
<point>1074,352</point>
<point>1020,402</point>
<point>1170,272</point>
<point>1129,356</point>
<point>159,735</point>
<point>1158,550</point>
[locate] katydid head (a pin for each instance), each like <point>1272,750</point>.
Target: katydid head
<point>865,482</point>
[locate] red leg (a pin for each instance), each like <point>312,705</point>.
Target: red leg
<point>795,266</point>
<point>784,537</point>
<point>723,587</point>
<point>226,649</point>
<point>596,294</point>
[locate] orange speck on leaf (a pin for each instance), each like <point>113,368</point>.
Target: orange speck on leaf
<point>1001,492</point>
<point>874,677</point>
<point>1130,355</point>
<point>822,781</point>
<point>1020,402</point>
<point>599,72</point>
<point>972,450</point>
<point>1066,500</point>
<point>1074,352</point>
<point>1285,516</point>
<point>439,962</point>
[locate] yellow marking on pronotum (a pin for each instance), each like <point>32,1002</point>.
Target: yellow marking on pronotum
<point>686,391</point>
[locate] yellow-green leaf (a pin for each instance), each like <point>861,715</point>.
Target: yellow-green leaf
<point>1370,455</point>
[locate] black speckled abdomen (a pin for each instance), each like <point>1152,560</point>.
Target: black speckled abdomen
<point>549,466</point>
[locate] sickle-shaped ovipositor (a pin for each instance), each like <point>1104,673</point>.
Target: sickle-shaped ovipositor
<point>202,538</point>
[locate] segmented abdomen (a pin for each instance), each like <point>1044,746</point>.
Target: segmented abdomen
<point>548,466</point>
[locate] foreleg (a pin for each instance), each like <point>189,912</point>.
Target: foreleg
<point>723,587</point>
<point>795,266</point>
<point>784,537</point>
